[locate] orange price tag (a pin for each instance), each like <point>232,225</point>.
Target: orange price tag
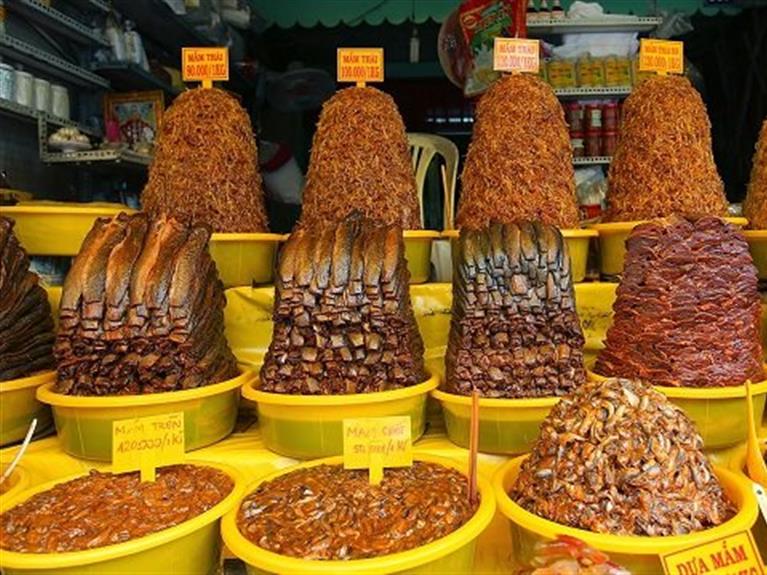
<point>360,65</point>
<point>516,55</point>
<point>731,555</point>
<point>374,443</point>
<point>206,65</point>
<point>661,56</point>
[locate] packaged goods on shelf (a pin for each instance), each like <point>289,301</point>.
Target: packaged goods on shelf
<point>343,322</point>
<point>26,325</point>
<point>625,486</point>
<point>142,311</point>
<point>664,162</point>
<point>687,309</point>
<point>205,167</point>
<point>360,162</point>
<point>519,164</point>
<point>514,331</point>
<point>755,205</point>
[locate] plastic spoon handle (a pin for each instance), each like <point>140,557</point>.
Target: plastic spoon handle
<point>22,449</point>
<point>757,470</point>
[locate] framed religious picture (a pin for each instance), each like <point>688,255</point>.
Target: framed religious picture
<point>135,115</point>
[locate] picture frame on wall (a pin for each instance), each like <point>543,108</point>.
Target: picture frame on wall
<point>136,115</point>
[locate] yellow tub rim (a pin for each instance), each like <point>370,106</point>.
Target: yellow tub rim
<point>729,392</point>
<point>420,234</point>
<point>35,380</point>
<point>755,234</point>
<point>566,233</point>
<point>51,561</point>
<point>46,394</point>
<point>394,562</point>
<point>247,237</point>
<point>630,544</point>
<point>495,402</point>
<point>618,227</point>
<point>250,392</point>
<point>66,209</point>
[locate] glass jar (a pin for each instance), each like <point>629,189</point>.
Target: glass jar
<point>609,142</point>
<point>23,88</point>
<point>6,81</point>
<point>610,116</point>
<point>576,142</point>
<point>593,143</point>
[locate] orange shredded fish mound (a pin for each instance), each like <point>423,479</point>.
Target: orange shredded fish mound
<point>664,164</point>
<point>205,168</point>
<point>360,162</point>
<point>755,205</point>
<point>520,163</point>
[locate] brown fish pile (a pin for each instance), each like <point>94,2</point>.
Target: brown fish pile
<point>519,165</point>
<point>329,513</point>
<point>687,311</point>
<point>142,311</point>
<point>617,457</point>
<point>26,325</point>
<point>514,331</point>
<point>755,205</point>
<point>343,322</point>
<point>360,163</point>
<point>205,168</point>
<point>664,163</point>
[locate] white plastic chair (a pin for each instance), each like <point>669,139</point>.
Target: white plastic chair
<point>423,148</point>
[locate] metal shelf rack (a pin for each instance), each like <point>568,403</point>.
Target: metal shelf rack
<point>55,21</point>
<point>592,161</point>
<point>593,92</point>
<point>606,23</point>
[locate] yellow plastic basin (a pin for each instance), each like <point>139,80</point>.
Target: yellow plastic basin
<point>757,243</point>
<point>245,259</point>
<point>577,245</point>
<point>635,553</point>
<point>612,243</point>
<point>15,484</point>
<point>507,426</point>
<point>453,553</point>
<point>718,412</point>
<point>191,548</point>
<point>310,426</point>
<point>418,253</point>
<point>84,423</point>
<point>57,228</point>
<point>18,406</point>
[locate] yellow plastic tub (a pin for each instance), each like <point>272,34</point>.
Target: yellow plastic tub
<point>57,228</point>
<point>310,426</point>
<point>18,406</point>
<point>15,484</point>
<point>84,423</point>
<point>418,253</point>
<point>453,553</point>
<point>245,259</point>
<point>577,245</point>
<point>636,554</point>
<point>612,243</point>
<point>507,426</point>
<point>717,412</point>
<point>191,548</point>
<point>757,243</point>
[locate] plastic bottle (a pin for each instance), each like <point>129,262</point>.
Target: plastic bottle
<point>116,39</point>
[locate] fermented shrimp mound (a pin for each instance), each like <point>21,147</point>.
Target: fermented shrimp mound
<point>617,457</point>
<point>360,163</point>
<point>664,163</point>
<point>755,205</point>
<point>520,163</point>
<point>205,167</point>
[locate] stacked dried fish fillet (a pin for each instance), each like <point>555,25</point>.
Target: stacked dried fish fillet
<point>617,457</point>
<point>664,163</point>
<point>26,326</point>
<point>519,165</point>
<point>360,162</point>
<point>142,311</point>
<point>755,205</point>
<point>514,331</point>
<point>205,167</point>
<point>343,322</point>
<point>687,311</point>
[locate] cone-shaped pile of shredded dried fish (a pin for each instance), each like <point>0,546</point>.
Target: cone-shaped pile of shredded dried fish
<point>755,205</point>
<point>617,457</point>
<point>205,167</point>
<point>142,311</point>
<point>343,322</point>
<point>360,162</point>
<point>664,164</point>
<point>519,165</point>
<point>26,325</point>
<point>687,311</point>
<point>514,331</point>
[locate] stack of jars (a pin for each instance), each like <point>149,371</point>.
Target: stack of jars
<point>593,128</point>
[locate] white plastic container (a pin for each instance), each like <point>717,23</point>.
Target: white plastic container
<point>23,88</point>
<point>42,95</point>
<point>6,81</point>
<point>59,101</point>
